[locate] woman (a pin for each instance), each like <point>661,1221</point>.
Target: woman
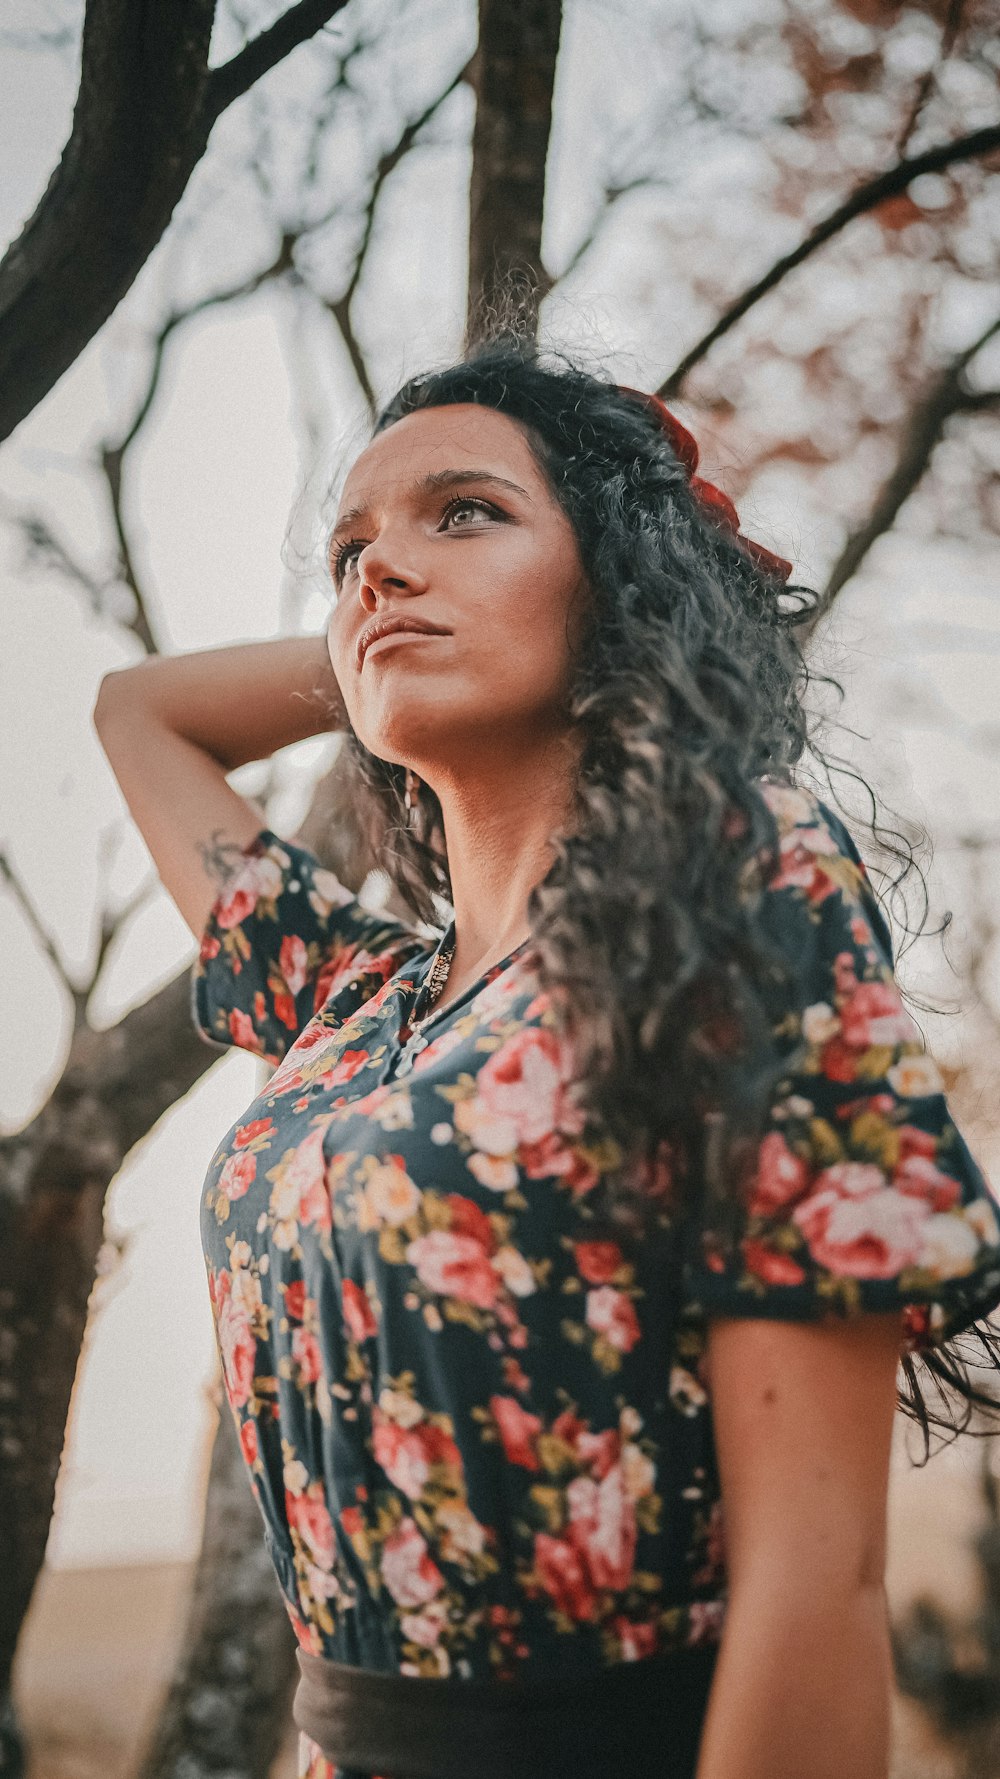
<point>562,1238</point>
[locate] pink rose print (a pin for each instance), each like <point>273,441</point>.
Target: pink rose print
<point>358,1313</point>
<point>308,1516</point>
<point>518,1431</point>
<point>597,1262</point>
<point>866,1236</point>
<point>243,1032</point>
<point>307,1356</point>
<point>527,1081</point>
<point>602,1527</point>
<point>611,1313</point>
<point>918,1177</point>
<point>293,962</point>
<point>562,1575</point>
<point>406,1454</point>
<point>781,1177</point>
<point>553,1155</point>
<point>874,1015</point>
<point>454,1266</point>
<point>799,868</point>
<point>468,1219</point>
<point>238,1175</point>
<point>237,1344</point>
<point>408,1570</point>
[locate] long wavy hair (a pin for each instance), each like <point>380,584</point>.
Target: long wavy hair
<point>688,687</point>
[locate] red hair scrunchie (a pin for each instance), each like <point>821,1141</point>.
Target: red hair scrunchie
<point>716,505</point>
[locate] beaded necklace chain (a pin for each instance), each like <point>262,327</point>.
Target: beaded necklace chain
<point>436,980</point>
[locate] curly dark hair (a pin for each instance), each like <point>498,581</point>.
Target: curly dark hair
<point>688,688</point>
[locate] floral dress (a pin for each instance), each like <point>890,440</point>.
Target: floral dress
<point>477,1425</point>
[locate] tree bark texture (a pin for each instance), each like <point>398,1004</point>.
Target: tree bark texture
<point>139,129</point>
<point>54,1176</point>
<point>513,73</point>
<point>230,1699</point>
<point>145,108</point>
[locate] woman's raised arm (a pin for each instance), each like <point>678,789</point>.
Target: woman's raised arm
<point>172,729</point>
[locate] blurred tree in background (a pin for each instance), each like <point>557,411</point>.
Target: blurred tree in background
<point>789,210</point>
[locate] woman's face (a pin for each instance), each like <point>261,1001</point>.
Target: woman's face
<point>446,519</point>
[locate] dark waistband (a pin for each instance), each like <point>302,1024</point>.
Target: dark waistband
<point>642,1718</point>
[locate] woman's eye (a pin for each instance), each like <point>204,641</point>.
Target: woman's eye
<point>348,552</point>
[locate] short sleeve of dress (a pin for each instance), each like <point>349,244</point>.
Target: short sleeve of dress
<point>862,1195</point>
<point>284,937</point>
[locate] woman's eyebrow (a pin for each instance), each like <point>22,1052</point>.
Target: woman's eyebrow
<point>431,484</point>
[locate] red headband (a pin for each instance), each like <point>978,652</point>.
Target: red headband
<point>717,506</point>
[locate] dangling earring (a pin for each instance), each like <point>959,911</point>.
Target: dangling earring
<point>411,797</point>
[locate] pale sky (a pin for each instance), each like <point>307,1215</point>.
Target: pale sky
<point>918,637</point>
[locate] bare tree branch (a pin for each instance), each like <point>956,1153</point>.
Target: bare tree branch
<point>43,937</point>
<point>145,108</point>
<point>950,29</point>
<point>340,307</point>
<point>513,73</point>
<point>946,396</point>
<point>294,27</point>
<point>865,198</point>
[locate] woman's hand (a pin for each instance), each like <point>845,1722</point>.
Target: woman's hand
<point>172,729</point>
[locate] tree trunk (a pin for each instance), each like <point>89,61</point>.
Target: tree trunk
<point>54,1176</point>
<point>513,74</point>
<point>230,1699</point>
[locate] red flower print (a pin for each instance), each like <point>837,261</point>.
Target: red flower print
<point>296,1300</point>
<point>238,1175</point>
<point>454,1266</point>
<point>345,1068</point>
<point>838,1062</point>
<point>248,1133</point>
<point>358,1313</point>
<point>561,1573</point>
<point>602,1527</point>
<point>518,1431</point>
<point>637,1640</point>
<point>781,1177</point>
<point>249,1442</point>
<point>353,1521</point>
<point>467,1218</point>
<point>284,1010</point>
<point>308,1516</point>
<point>293,962</point>
<point>597,1262</point>
<point>237,905</point>
<point>209,948</point>
<point>771,1265</point>
<point>799,867</point>
<point>237,1344</point>
<point>408,1569</point>
<point>612,1314</point>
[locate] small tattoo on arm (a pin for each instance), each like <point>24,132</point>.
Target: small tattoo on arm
<point>221,858</point>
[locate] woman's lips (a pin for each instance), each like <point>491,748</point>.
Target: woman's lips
<point>392,636</point>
